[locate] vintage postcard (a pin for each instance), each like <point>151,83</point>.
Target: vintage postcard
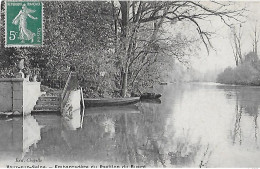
<point>129,84</point>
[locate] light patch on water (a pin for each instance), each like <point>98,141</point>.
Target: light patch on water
<point>206,118</point>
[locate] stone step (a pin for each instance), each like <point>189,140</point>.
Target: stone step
<point>43,96</point>
<point>52,94</point>
<point>33,112</point>
<point>48,102</point>
<point>49,98</point>
<point>47,107</point>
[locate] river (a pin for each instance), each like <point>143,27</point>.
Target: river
<point>195,125</point>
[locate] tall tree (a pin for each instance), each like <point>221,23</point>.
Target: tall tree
<point>133,16</point>
<point>255,38</point>
<point>236,43</point>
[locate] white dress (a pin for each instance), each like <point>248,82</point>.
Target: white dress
<point>24,33</point>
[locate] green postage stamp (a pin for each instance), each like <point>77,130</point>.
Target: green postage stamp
<point>23,24</point>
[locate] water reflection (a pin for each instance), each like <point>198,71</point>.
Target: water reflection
<point>72,112</point>
<point>246,114</point>
<point>194,125</point>
<point>31,133</point>
<point>11,138</point>
<point>237,129</point>
<point>18,135</point>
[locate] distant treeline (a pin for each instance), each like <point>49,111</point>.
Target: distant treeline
<point>246,73</point>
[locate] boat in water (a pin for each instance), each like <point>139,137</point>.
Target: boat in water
<point>150,96</point>
<point>163,83</point>
<point>94,102</point>
<point>153,101</point>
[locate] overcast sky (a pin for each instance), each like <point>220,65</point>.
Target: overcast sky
<point>223,56</point>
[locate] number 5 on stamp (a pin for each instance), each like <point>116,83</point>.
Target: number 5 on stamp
<point>23,24</point>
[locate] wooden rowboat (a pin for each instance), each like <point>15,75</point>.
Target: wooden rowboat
<point>153,101</point>
<point>150,96</point>
<point>94,102</point>
<point>163,83</point>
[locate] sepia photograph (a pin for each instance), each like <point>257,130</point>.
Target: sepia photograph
<point>129,84</point>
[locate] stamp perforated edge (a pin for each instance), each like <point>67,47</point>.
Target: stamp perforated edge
<point>5,23</point>
<point>2,33</point>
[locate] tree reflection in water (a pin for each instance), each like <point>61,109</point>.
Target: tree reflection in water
<point>170,134</point>
<point>246,109</point>
<point>124,137</point>
<point>136,136</point>
<point>237,129</point>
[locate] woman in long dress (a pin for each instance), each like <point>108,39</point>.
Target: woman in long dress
<point>21,20</point>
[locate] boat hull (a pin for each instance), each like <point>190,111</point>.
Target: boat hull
<point>150,96</point>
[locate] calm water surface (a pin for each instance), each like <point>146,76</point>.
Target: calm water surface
<point>196,125</point>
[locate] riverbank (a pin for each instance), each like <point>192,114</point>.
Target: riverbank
<point>245,73</point>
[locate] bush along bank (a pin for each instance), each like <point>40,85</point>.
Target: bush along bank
<point>246,73</point>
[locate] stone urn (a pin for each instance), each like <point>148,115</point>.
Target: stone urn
<point>34,78</point>
<point>21,64</point>
<point>27,78</point>
<point>20,67</point>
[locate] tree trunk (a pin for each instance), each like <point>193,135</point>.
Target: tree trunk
<point>115,27</point>
<point>124,32</point>
<point>124,83</point>
<point>125,17</point>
